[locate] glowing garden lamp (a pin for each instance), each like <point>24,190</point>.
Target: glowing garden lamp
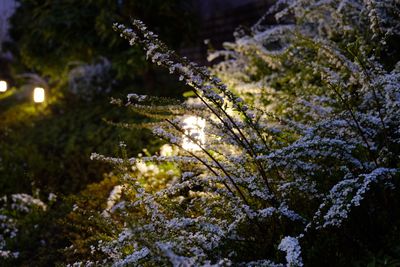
<point>193,127</point>
<point>38,95</point>
<point>3,86</point>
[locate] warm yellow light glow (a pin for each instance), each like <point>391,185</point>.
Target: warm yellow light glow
<point>194,127</point>
<point>3,86</point>
<point>38,95</point>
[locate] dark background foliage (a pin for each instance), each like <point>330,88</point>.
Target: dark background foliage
<point>45,148</point>
<point>49,35</point>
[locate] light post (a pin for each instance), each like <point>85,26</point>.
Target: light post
<point>3,86</point>
<point>194,127</point>
<point>38,95</point>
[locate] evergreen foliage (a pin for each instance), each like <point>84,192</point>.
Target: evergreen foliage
<point>50,35</point>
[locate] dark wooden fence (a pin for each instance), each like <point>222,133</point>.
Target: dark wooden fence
<point>219,28</point>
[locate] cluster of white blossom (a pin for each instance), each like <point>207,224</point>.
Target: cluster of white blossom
<point>87,80</point>
<point>8,231</point>
<point>11,210</point>
<point>308,128</point>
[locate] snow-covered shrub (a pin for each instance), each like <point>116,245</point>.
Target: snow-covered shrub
<point>306,133</point>
<point>89,80</point>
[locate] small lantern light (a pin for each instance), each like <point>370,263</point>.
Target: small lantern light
<point>194,127</point>
<point>38,95</point>
<point>3,86</point>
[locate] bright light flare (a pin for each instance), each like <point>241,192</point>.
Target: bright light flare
<point>3,86</point>
<point>38,95</point>
<point>193,127</point>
